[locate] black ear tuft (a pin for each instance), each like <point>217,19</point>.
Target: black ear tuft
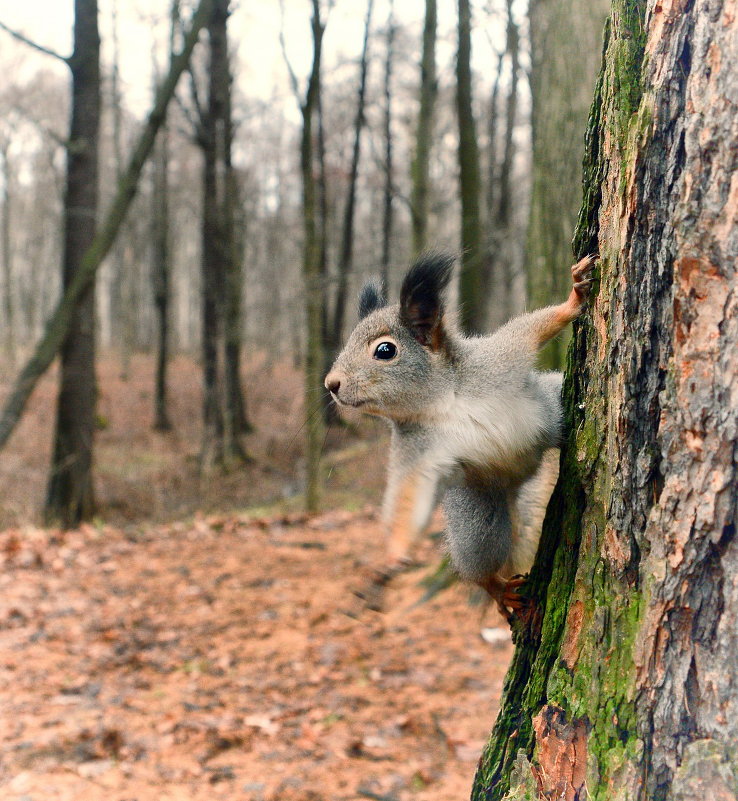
<point>373,296</point>
<point>421,296</point>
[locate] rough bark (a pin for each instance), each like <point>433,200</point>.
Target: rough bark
<point>472,300</point>
<point>562,77</point>
<point>60,321</point>
<point>625,684</point>
<point>420,170</point>
<point>70,496</point>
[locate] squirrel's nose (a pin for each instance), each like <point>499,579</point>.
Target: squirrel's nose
<point>332,383</point>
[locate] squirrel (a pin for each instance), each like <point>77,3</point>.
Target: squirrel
<point>472,421</point>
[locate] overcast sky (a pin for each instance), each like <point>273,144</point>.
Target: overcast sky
<point>254,30</point>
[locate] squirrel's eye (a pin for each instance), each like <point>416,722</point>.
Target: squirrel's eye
<point>385,351</point>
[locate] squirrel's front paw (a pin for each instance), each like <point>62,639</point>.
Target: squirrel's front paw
<point>581,276</point>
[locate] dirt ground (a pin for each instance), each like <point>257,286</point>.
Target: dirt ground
<point>172,651</point>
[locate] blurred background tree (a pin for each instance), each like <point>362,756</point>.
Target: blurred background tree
<point>424,133</point>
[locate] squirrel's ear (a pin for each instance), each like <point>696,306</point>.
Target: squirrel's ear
<point>421,297</point>
<point>373,296</point>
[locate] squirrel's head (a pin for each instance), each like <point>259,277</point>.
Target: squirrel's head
<point>394,361</point>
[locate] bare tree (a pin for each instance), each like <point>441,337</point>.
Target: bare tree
<point>347,236</point>
<point>123,280</point>
<point>472,298</point>
<point>6,254</point>
<point>63,316</point>
<point>161,251</point>
<point>312,265</point>
<point>503,255</point>
<point>624,684</point>
<point>424,135</point>
<point>70,496</point>
<point>223,407</point>
<point>389,190</point>
<point>562,77</point>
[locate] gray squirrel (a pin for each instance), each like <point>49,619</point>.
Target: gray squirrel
<point>473,422</point>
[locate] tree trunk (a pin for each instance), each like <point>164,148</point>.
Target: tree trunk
<point>123,280</point>
<point>472,299</point>
<point>161,248</point>
<point>161,252</point>
<point>345,261</point>
<point>424,138</point>
<point>625,685</point>
<point>563,72</point>
<point>223,407</point>
<point>504,252</point>
<point>70,496</point>
<point>498,313</point>
<point>236,416</point>
<point>6,255</point>
<point>314,357</point>
<point>388,192</point>
<point>61,321</point>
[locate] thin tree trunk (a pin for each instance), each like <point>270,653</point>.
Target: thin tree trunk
<point>212,262</point>
<point>237,424</point>
<point>123,279</point>
<point>70,496</point>
<point>329,338</point>
<point>624,684</point>
<point>6,255</point>
<point>160,217</point>
<point>492,127</point>
<point>504,254</point>
<point>223,406</point>
<point>562,76</point>
<point>60,321</point>
<point>314,357</point>
<point>236,415</point>
<point>388,193</point>
<point>420,170</point>
<point>161,249</point>
<point>498,312</point>
<point>345,262</point>
<point>472,299</point>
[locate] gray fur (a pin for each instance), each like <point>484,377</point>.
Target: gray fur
<point>470,417</point>
<point>479,533</point>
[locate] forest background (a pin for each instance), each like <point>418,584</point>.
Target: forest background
<point>464,132</point>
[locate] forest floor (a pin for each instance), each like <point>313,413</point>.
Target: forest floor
<point>171,651</point>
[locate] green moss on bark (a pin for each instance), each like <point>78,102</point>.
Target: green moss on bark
<point>594,679</point>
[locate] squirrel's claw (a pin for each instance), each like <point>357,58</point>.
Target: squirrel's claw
<point>509,601</point>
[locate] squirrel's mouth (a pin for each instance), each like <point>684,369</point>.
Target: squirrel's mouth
<point>351,404</point>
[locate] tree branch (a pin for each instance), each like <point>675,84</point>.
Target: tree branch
<point>40,48</point>
<point>294,83</point>
<point>58,324</point>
